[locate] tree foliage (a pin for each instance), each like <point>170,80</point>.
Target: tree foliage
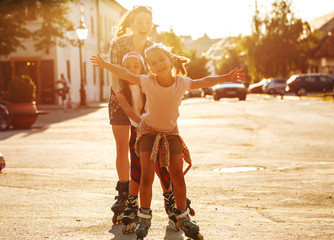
<point>170,39</point>
<point>197,67</point>
<point>279,42</point>
<point>50,17</point>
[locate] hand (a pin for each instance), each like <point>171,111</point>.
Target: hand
<point>98,61</point>
<point>120,96</point>
<point>236,75</point>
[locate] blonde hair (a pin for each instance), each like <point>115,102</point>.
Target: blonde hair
<point>178,61</point>
<point>127,20</point>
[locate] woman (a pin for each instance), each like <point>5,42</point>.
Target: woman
<point>132,35</point>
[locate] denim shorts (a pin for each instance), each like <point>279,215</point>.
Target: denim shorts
<point>116,114</point>
<point>147,140</point>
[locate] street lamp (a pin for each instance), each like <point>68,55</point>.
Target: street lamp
<point>82,33</point>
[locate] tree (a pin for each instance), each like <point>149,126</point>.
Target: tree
<point>232,57</point>
<point>170,39</point>
<point>50,16</point>
<point>279,44</point>
<point>196,68</point>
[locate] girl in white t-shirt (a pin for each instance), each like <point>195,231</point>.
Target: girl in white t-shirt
<point>157,132</point>
<point>132,101</point>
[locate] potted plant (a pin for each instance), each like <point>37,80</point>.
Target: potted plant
<point>21,98</point>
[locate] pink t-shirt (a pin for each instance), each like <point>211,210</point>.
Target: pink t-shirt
<point>162,103</point>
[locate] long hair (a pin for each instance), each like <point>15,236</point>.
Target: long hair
<point>124,25</point>
<point>178,61</point>
<point>124,85</point>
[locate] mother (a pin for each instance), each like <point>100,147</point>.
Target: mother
<point>132,35</point>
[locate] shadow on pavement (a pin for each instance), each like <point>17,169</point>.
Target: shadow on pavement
<point>55,115</point>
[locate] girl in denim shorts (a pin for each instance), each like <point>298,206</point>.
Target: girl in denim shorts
<point>164,90</point>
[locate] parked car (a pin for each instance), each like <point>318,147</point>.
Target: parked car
<point>274,86</point>
<point>301,84</point>
<point>229,90</point>
<point>257,87</point>
<point>194,92</point>
<point>206,91</point>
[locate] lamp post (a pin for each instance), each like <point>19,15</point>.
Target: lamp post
<point>82,33</point>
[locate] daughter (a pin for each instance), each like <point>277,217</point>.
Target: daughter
<point>132,101</point>
<point>158,130</point>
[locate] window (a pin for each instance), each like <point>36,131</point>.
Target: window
<point>310,79</point>
<point>324,79</point>
<point>68,66</point>
<point>94,75</point>
<point>92,25</point>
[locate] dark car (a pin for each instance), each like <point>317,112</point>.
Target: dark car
<point>229,90</point>
<point>206,91</point>
<point>257,87</point>
<point>301,84</point>
<point>274,86</point>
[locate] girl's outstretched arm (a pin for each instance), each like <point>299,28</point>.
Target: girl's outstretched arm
<point>121,72</point>
<point>236,75</point>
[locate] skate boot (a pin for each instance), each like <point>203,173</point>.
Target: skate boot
<point>144,223</point>
<point>129,218</point>
<point>119,206</point>
<point>169,201</point>
<point>191,230</point>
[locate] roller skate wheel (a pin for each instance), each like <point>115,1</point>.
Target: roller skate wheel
<point>199,237</point>
<point>114,219</point>
<point>128,228</point>
<point>192,212</point>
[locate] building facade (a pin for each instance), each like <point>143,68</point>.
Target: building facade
<point>100,17</point>
<point>322,59</point>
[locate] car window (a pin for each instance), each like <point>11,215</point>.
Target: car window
<point>310,79</point>
<point>280,81</point>
<point>300,79</point>
<point>324,79</point>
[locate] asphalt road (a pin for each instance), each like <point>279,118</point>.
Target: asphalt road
<point>262,169</point>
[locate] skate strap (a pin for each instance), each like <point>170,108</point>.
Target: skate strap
<point>142,215</point>
<point>182,215</point>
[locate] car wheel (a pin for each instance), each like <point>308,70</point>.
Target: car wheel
<point>301,92</point>
<point>203,94</point>
<point>272,91</point>
<point>242,98</point>
<point>215,97</point>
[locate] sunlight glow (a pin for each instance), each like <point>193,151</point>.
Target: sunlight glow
<point>219,18</point>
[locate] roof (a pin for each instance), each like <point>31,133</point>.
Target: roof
<point>320,22</point>
<point>326,49</point>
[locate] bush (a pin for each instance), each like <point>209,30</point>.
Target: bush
<point>22,90</point>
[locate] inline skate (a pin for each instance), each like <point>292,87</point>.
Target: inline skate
<point>191,230</point>
<point>119,206</point>
<point>170,207</point>
<point>144,223</point>
<point>130,218</point>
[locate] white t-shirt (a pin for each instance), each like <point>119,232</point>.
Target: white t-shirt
<point>162,103</point>
<point>137,101</point>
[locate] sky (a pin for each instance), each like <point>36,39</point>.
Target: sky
<point>219,18</point>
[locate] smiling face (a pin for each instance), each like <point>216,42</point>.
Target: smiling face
<point>142,24</point>
<point>159,63</point>
<point>133,64</point>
